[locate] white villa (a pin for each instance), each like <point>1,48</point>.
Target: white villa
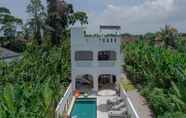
<point>96,60</point>
<point>96,68</point>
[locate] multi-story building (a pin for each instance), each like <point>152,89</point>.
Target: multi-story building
<point>95,58</point>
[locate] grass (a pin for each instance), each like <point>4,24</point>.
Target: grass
<point>127,85</point>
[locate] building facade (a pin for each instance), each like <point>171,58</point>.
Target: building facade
<point>95,59</point>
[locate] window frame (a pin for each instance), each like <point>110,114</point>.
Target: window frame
<point>81,58</point>
<point>110,58</point>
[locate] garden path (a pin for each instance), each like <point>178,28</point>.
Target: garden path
<point>139,102</point>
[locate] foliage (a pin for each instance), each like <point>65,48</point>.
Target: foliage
<point>181,44</point>
<point>160,75</point>
<point>8,25</point>
<point>36,23</point>
<point>16,46</point>
<point>150,36</point>
<point>168,35</point>
<point>60,16</point>
<point>32,86</point>
<point>66,55</point>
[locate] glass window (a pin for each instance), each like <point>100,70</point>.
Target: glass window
<point>115,40</point>
<point>106,55</point>
<point>103,40</point>
<point>83,55</point>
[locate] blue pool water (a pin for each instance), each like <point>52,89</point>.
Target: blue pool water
<point>84,108</point>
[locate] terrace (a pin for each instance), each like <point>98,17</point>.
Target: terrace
<point>104,108</point>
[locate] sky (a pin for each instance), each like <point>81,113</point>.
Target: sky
<point>134,16</point>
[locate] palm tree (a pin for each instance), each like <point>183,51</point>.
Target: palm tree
<point>37,21</point>
<point>168,35</point>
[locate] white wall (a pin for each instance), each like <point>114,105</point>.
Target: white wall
<point>95,44</point>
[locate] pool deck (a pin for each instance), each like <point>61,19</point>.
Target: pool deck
<point>101,106</point>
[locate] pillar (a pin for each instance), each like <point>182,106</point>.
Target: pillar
<point>73,81</point>
<point>95,84</point>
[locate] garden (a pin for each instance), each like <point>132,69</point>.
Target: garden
<point>159,72</point>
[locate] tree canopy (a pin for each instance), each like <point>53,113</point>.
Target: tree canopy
<point>60,16</point>
<point>8,24</point>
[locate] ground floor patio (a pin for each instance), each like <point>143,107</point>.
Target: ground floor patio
<point>103,107</point>
<point>87,83</point>
<point>102,111</point>
<point>102,98</point>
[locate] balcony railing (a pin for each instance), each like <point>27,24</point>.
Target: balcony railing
<point>95,63</point>
<point>84,63</point>
<point>106,63</point>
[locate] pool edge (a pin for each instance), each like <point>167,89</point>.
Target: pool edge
<point>71,106</point>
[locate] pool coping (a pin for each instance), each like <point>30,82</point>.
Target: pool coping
<point>71,106</point>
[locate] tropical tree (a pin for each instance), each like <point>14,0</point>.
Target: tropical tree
<point>9,24</point>
<point>168,35</point>
<point>36,23</point>
<point>60,16</point>
<point>150,36</point>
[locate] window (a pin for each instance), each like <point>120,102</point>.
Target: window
<point>115,40</point>
<point>83,55</point>
<point>103,40</point>
<point>106,55</point>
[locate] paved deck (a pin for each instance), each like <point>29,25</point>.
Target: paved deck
<point>101,106</point>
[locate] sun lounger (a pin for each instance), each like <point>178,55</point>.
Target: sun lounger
<point>119,106</point>
<point>118,114</point>
<point>115,101</point>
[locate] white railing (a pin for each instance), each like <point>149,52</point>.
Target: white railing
<point>106,63</point>
<point>130,106</point>
<point>84,63</point>
<point>95,63</point>
<point>64,103</point>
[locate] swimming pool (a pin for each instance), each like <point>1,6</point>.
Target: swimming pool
<point>84,108</point>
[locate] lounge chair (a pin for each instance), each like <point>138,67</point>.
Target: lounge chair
<point>119,106</point>
<point>115,101</point>
<point>118,114</point>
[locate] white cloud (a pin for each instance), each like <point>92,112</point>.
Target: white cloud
<point>148,16</point>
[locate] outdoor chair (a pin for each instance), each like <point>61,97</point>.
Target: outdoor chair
<point>115,101</point>
<point>117,114</point>
<point>119,106</point>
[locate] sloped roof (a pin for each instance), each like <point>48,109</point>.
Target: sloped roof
<point>7,54</point>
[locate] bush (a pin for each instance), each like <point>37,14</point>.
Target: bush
<point>32,87</point>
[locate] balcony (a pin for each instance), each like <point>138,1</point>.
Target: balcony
<point>95,64</point>
<point>84,63</point>
<point>106,63</point>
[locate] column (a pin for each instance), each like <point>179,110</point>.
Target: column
<point>73,82</point>
<point>95,84</point>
